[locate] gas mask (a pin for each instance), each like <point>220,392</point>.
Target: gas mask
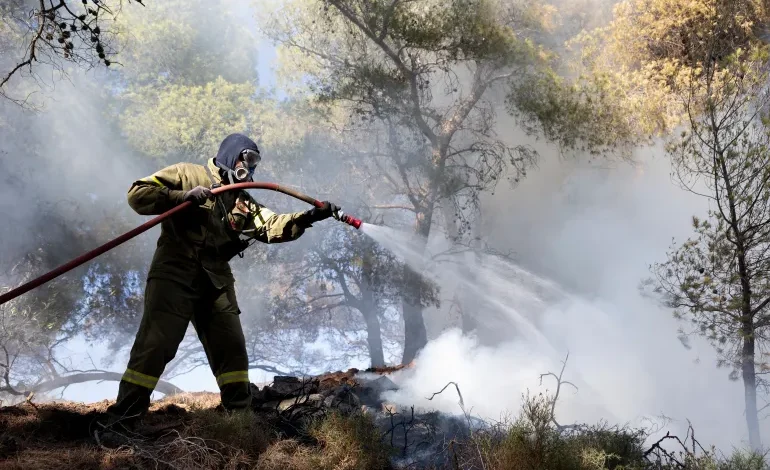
<point>243,173</point>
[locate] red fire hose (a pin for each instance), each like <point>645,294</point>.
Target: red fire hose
<point>24,288</point>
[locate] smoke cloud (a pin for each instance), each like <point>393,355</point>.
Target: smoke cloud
<point>593,231</point>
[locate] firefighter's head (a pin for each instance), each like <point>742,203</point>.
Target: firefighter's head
<point>237,159</point>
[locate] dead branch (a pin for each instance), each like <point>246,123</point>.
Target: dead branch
<point>393,206</point>
<point>657,448</point>
<point>668,457</point>
<point>457,387</point>
<point>406,425</point>
<point>559,383</point>
<point>166,388</point>
<point>59,31</point>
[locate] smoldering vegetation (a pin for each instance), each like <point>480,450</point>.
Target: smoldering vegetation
<point>530,215</point>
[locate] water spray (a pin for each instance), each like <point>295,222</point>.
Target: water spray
<point>24,288</point>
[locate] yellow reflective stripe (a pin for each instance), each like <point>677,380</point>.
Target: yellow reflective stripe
<point>137,378</point>
<point>232,377</point>
<point>263,214</point>
<point>152,179</point>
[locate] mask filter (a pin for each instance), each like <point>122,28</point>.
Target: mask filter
<point>251,159</point>
<point>243,173</point>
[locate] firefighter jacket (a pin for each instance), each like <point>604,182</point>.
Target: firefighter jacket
<point>208,236</point>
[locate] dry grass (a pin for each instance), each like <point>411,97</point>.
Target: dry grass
<point>183,432</point>
<point>86,457</point>
<point>342,443</point>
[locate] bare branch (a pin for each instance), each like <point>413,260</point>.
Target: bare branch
<point>457,387</point>
<point>559,383</point>
<point>394,206</point>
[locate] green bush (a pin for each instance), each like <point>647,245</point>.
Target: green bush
<point>533,441</point>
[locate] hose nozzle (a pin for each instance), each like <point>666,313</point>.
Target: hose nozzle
<point>348,219</point>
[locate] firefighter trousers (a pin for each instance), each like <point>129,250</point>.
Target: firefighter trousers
<point>169,307</point>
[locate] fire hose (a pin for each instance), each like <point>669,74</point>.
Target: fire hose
<point>84,258</point>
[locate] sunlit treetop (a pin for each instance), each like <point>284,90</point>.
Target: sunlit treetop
<point>654,52</point>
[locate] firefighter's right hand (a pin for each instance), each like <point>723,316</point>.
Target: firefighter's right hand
<point>198,195</point>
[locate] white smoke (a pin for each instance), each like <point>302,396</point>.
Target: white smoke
<point>595,234</point>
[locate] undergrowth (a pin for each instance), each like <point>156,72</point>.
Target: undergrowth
<point>193,434</point>
<point>533,441</point>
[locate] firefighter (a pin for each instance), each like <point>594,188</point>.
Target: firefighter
<point>190,278</point>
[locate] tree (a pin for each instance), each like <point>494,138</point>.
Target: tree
<point>719,279</point>
<point>170,43</point>
<point>57,31</point>
<point>418,80</point>
<point>711,65</point>
<point>181,122</point>
<point>638,82</point>
<point>345,275</point>
<point>320,285</point>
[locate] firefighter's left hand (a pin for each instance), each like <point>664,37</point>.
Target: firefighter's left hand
<point>198,195</point>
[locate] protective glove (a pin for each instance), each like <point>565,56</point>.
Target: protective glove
<point>198,195</point>
<point>327,210</point>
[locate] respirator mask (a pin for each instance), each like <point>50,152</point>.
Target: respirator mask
<point>243,173</point>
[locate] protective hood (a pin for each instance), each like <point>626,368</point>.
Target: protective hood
<point>231,148</point>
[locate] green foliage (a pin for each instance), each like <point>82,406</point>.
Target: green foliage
<point>417,44</point>
<point>743,460</point>
<point>180,92</point>
<point>394,71</point>
<point>684,34</point>
<point>585,116</point>
<point>683,41</point>
<point>170,42</point>
<point>187,123</point>
<point>533,442</point>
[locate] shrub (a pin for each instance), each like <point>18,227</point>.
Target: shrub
<point>534,442</point>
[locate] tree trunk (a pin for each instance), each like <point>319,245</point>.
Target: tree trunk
<point>374,339</point>
<point>373,333</point>
<point>415,335</point>
<point>750,388</point>
<point>747,320</point>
